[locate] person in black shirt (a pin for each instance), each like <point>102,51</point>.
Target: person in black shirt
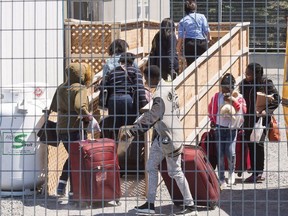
<point>255,82</point>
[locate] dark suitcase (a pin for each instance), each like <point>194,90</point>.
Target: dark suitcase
<point>200,175</point>
<point>95,171</point>
<point>131,153</point>
<point>208,144</point>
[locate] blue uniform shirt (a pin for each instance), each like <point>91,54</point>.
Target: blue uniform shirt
<point>193,25</point>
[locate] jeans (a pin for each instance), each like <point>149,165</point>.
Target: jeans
<point>226,144</point>
<point>121,112</point>
<point>174,171</point>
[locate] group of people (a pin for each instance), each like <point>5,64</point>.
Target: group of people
<point>127,94</point>
<point>245,116</point>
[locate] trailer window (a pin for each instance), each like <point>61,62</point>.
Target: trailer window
<point>84,10</point>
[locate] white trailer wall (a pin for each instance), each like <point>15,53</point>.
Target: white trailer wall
<point>31,38</point>
<point>122,10</point>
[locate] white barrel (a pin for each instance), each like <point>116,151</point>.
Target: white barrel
<point>22,157</point>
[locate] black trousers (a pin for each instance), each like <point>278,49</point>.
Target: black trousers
<point>67,139</point>
<point>257,154</point>
<point>193,49</point>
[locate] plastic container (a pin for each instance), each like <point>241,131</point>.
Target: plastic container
<point>22,157</point>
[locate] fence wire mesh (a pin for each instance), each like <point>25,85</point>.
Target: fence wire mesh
<point>58,56</point>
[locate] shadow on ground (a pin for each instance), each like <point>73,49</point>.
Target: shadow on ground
<point>254,202</point>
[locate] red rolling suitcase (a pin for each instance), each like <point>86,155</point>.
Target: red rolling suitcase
<point>243,162</point>
<point>95,171</point>
<point>200,175</point>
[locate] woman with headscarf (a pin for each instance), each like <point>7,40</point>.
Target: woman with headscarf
<point>72,106</point>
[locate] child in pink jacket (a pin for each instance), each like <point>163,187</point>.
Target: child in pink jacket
<point>226,110</point>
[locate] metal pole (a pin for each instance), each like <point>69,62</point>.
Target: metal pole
<point>219,11</point>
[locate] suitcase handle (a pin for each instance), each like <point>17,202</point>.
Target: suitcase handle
<point>82,132</point>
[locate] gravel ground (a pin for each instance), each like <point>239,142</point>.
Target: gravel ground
<point>267,198</point>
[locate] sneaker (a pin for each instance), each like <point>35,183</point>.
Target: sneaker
<point>260,178</point>
<point>70,195</point>
<point>231,179</point>
<point>146,208</point>
<point>61,189</point>
<point>223,184</point>
<point>190,210</point>
<point>251,179</point>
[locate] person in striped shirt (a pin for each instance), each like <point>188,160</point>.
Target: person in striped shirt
<point>126,93</point>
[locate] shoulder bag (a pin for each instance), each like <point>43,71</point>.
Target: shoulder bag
<point>274,132</point>
<point>257,131</point>
<point>48,132</point>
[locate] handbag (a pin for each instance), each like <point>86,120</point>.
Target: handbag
<point>48,133</point>
<point>257,131</point>
<point>274,132</point>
